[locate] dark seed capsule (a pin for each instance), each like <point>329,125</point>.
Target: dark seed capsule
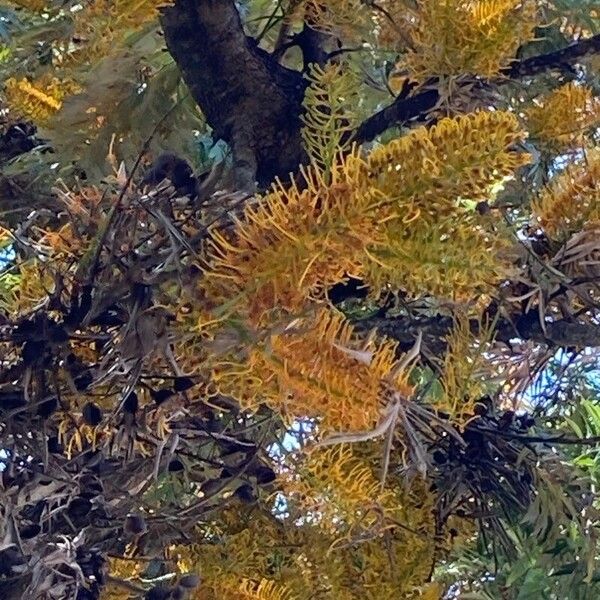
<point>480,409</point>
<point>439,457</point>
<point>178,593</point>
<point>131,403</point>
<point>245,493</point>
<point>11,399</point>
<point>79,507</point>
<point>506,420</point>
<point>53,446</point>
<point>32,351</point>
<point>10,558</point>
<point>176,466</point>
<point>181,384</point>
<point>159,396</point>
<point>82,382</point>
<point>483,208</point>
<point>190,581</point>
<point>265,475</point>
<point>160,592</point>
<point>58,334</point>
<point>29,531</point>
<point>92,414</point>
<point>90,483</point>
<point>33,512</point>
<point>211,487</point>
<point>135,525</point>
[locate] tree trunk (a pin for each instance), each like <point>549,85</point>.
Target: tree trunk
<point>252,102</point>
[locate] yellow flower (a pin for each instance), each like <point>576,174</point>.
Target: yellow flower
<point>455,37</point>
<point>560,119</point>
<point>572,200</point>
<point>292,245</point>
<point>315,368</point>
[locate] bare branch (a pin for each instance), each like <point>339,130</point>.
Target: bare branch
<point>403,110</point>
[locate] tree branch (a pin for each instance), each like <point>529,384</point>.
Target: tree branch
<point>400,111</point>
<point>554,60</point>
<point>403,110</point>
<point>435,330</point>
<point>251,102</point>
<point>561,333</point>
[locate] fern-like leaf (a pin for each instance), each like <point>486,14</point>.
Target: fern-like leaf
<point>329,117</point>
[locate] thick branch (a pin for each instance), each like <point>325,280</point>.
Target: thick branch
<point>555,60</point>
<point>561,333</point>
<point>403,110</point>
<point>400,111</point>
<point>250,101</point>
<point>435,329</point>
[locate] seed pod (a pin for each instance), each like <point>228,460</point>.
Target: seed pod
<point>159,592</point>
<point>92,414</point>
<point>131,403</point>
<point>483,208</point>
<point>53,445</point>
<point>159,396</point>
<point>28,532</point>
<point>245,493</point>
<point>264,475</point>
<point>175,466</point>
<point>32,351</point>
<point>480,409</point>
<point>439,457</point>
<point>190,581</point>
<point>79,507</point>
<point>83,381</point>
<point>135,525</point>
<point>181,384</point>
<point>211,487</point>
<point>178,593</point>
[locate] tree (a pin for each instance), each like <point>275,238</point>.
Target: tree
<point>350,352</point>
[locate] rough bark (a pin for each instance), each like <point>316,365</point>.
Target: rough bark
<point>251,102</point>
<point>254,103</point>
